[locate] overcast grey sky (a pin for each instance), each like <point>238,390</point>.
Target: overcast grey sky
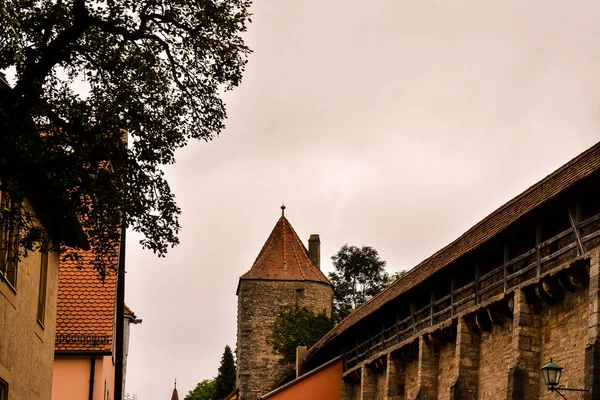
<point>395,124</point>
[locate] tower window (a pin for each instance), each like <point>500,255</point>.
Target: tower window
<point>299,294</point>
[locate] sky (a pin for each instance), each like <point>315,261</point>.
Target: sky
<point>393,124</point>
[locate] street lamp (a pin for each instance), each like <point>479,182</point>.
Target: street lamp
<point>551,373</point>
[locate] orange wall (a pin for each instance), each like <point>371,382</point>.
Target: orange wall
<point>108,375</point>
<point>323,385</point>
<point>71,379</point>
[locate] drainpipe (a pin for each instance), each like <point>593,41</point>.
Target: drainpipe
<point>120,318</point>
<point>92,373</point>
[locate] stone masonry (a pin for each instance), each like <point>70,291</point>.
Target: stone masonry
<point>258,304</point>
<point>497,361</point>
<point>283,274</point>
<point>479,318</point>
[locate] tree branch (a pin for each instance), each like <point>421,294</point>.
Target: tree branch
<point>57,50</point>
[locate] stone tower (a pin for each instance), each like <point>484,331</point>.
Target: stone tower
<point>283,274</point>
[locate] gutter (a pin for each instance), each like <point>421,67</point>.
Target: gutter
<point>81,353</point>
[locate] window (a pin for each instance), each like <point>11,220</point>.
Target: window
<point>9,243</point>
<point>43,281</point>
<point>3,389</point>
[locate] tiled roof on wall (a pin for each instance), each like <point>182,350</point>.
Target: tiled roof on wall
<point>86,307</point>
<point>560,180</point>
<point>284,258</point>
<point>128,312</point>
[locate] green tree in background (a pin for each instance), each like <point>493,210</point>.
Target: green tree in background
<point>297,326</point>
<point>205,390</point>
<point>359,275</point>
<point>225,381</point>
<point>396,275</point>
<point>83,73</point>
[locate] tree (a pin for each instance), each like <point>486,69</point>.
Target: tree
<point>86,74</point>
<point>396,275</point>
<point>225,381</point>
<point>359,275</point>
<point>204,390</point>
<point>297,326</point>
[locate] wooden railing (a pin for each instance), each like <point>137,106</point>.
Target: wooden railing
<point>482,287</point>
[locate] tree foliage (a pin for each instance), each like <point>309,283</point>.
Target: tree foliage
<point>396,275</point>
<point>204,390</point>
<point>225,381</point>
<point>87,73</point>
<point>359,275</point>
<point>297,326</point>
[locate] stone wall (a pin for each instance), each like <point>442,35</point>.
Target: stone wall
<point>564,334</point>
<point>411,379</point>
<point>495,350</point>
<point>259,302</point>
<point>27,346</point>
<point>446,369</point>
<point>494,360</point>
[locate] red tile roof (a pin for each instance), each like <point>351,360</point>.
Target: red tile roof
<point>284,258</point>
<point>128,312</point>
<point>560,180</point>
<point>86,307</point>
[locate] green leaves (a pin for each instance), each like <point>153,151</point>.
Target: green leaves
<point>297,326</point>
<point>225,381</point>
<point>217,388</point>
<point>205,390</point>
<point>153,71</point>
<point>359,275</point>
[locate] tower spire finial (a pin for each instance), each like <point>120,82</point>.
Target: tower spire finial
<point>175,383</point>
<point>282,209</point>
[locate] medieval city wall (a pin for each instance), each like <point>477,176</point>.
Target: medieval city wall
<point>258,367</point>
<point>483,354</point>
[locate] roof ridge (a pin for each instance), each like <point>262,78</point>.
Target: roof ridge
<point>284,244</point>
<point>266,246</point>
<point>514,200</point>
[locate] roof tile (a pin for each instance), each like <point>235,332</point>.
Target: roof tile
<point>85,305</point>
<point>284,257</point>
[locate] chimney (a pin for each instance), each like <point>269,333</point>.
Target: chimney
<point>300,354</point>
<point>314,250</point>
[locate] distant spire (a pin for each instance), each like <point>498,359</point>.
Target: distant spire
<point>283,210</point>
<point>175,395</point>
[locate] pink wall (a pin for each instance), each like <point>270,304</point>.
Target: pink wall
<point>107,371</point>
<point>71,379</point>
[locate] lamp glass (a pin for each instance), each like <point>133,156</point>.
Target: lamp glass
<point>551,373</point>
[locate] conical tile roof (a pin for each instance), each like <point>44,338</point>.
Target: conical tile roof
<point>284,258</point>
